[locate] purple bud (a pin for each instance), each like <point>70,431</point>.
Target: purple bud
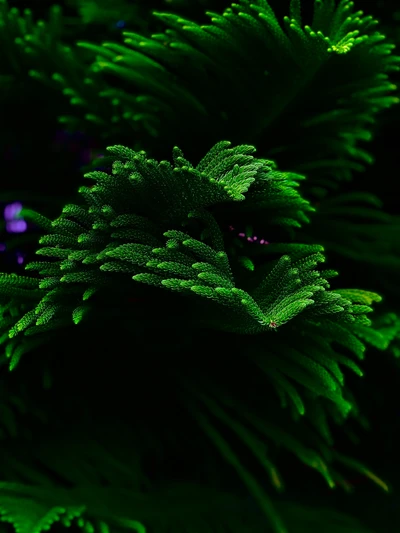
<point>16,226</point>
<point>12,210</point>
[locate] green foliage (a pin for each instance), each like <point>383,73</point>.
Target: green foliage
<point>26,42</point>
<point>41,50</point>
<point>220,68</point>
<point>36,518</point>
<point>370,234</point>
<point>220,63</point>
<point>127,227</point>
<point>76,517</point>
<point>250,344</point>
<point>103,13</point>
<point>159,224</point>
<point>209,69</point>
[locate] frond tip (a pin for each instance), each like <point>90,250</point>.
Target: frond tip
<point>29,516</point>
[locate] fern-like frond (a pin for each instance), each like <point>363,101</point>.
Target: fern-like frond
<point>159,226</point>
<point>28,516</point>
<point>355,227</point>
<point>124,229</point>
<point>211,68</point>
<point>42,50</point>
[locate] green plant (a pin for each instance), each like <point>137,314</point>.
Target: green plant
<point>220,349</point>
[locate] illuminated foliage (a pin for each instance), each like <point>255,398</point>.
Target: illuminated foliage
<point>156,328</point>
